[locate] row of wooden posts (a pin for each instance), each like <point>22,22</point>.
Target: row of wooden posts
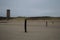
<point>25,25</point>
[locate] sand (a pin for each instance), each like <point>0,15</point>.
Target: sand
<point>36,30</point>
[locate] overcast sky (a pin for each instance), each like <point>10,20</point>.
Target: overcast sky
<point>30,7</point>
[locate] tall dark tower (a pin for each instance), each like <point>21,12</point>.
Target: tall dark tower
<point>8,13</point>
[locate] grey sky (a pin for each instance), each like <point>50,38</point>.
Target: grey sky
<point>30,7</point>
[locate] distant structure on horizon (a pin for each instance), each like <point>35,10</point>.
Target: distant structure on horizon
<point>8,13</point>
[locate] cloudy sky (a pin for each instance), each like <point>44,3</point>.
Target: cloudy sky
<point>30,7</point>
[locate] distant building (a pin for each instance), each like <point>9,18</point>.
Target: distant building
<point>8,13</point>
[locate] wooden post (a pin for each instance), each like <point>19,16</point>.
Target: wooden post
<point>46,24</point>
<point>52,22</point>
<point>25,26</point>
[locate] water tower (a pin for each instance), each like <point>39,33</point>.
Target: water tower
<point>8,13</point>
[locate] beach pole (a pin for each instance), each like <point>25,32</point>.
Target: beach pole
<point>25,25</point>
<point>46,24</point>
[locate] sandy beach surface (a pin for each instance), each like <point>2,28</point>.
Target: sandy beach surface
<point>36,30</point>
